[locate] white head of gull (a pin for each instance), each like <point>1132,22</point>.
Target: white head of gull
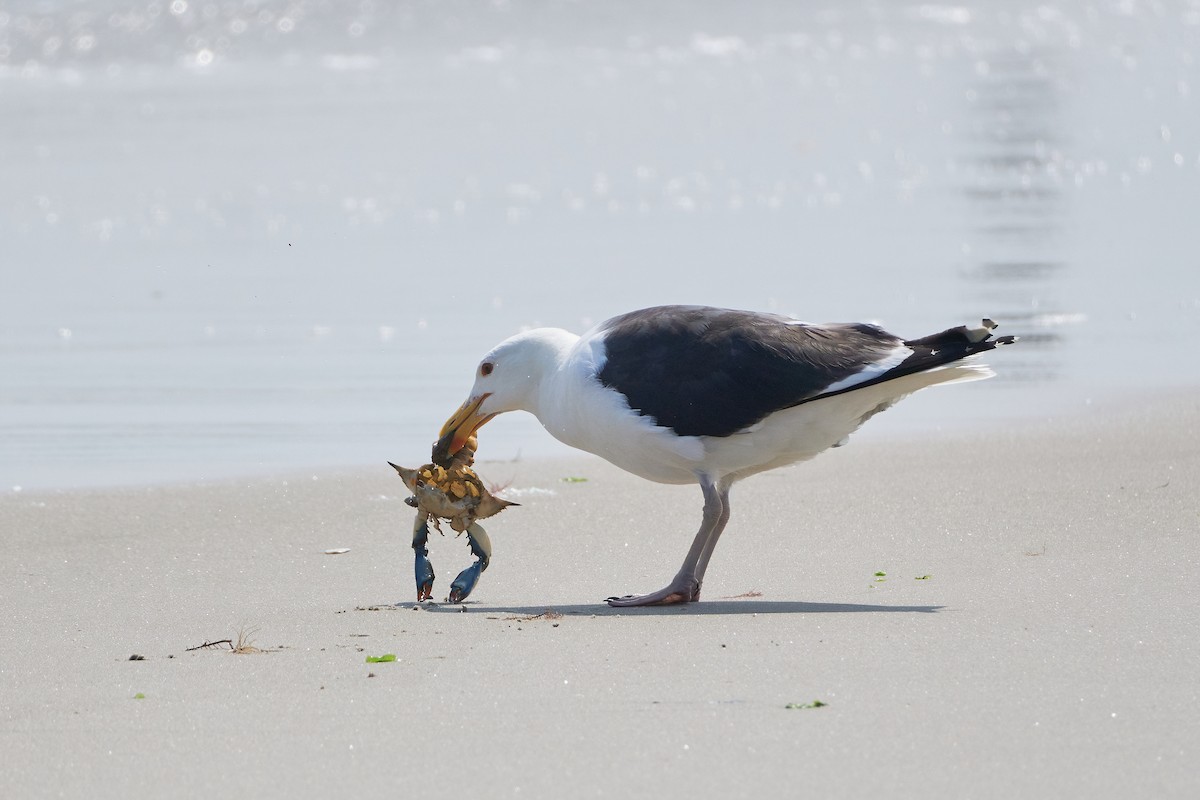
<point>692,394</point>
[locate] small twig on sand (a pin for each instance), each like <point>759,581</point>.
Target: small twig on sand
<point>243,644</point>
<point>743,595</point>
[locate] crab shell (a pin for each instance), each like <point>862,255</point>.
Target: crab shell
<point>459,512</point>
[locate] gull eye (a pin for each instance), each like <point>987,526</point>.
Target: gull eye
<point>486,368</point>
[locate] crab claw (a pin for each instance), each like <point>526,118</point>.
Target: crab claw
<point>480,542</point>
<point>465,582</point>
<point>422,567</point>
<point>481,548</point>
<point>424,575</point>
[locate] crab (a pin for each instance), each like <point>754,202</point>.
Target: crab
<point>450,491</point>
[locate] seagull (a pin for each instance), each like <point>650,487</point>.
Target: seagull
<point>695,394</point>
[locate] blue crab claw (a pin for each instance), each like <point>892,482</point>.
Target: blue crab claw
<point>481,544</point>
<point>422,567</point>
<point>465,582</point>
<point>481,548</point>
<point>425,576</point>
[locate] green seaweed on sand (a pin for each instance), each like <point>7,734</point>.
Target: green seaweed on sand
<point>814,704</point>
<point>386,657</point>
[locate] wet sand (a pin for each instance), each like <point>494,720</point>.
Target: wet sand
<point>1035,634</point>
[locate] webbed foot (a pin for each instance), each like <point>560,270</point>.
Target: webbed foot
<point>680,590</point>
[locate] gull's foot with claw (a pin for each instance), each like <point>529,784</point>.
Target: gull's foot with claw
<point>681,590</point>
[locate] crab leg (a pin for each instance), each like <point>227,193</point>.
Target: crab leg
<point>481,548</point>
<point>422,567</point>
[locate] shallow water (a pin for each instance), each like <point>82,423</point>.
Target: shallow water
<point>241,238</point>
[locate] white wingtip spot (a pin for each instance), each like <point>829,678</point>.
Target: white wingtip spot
<point>980,334</point>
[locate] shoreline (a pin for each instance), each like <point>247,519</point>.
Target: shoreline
<point>1109,404</point>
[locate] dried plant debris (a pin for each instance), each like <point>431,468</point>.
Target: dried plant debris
<point>244,644</point>
<point>549,614</point>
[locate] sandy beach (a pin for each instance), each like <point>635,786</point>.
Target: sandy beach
<point>1034,634</point>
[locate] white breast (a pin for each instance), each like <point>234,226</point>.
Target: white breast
<point>580,411</point>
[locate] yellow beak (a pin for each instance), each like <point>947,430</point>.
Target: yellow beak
<point>460,427</point>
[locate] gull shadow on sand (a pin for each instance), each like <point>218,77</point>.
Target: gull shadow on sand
<point>703,608</point>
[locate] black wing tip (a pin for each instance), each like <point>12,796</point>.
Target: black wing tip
<point>965,339</point>
<point>984,334</point>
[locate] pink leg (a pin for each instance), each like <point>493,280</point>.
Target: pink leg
<point>685,586</point>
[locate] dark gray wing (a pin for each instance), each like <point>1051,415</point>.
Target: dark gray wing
<point>713,372</point>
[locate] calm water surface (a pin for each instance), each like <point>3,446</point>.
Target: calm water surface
<point>244,238</point>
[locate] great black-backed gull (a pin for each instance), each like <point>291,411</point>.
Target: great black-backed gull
<point>692,394</point>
